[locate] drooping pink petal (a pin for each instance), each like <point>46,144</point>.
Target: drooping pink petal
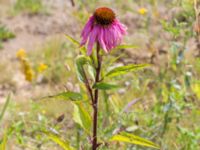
<point>92,40</point>
<point>115,36</point>
<point>107,38</point>
<point>86,30</point>
<point>101,38</point>
<point>121,27</point>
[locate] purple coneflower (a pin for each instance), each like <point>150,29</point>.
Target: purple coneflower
<point>103,28</point>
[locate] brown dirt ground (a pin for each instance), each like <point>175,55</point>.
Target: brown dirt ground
<point>33,30</point>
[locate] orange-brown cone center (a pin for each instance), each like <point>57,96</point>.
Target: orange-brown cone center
<point>104,16</point>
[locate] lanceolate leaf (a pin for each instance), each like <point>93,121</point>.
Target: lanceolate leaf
<point>125,69</point>
<point>126,46</point>
<point>72,40</point>
<point>58,140</point>
<point>104,86</point>
<point>133,139</point>
<point>66,96</point>
<point>92,72</point>
<point>80,62</point>
<point>75,42</point>
<point>82,117</point>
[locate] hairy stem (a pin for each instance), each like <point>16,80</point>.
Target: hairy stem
<point>95,102</point>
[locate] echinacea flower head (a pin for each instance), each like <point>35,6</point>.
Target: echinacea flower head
<point>103,28</point>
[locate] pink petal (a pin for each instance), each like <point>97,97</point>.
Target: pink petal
<point>116,36</point>
<point>86,30</point>
<point>109,38</point>
<point>92,40</point>
<point>101,38</point>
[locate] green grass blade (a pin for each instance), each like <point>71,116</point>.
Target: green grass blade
<point>5,107</point>
<point>58,140</point>
<point>4,142</point>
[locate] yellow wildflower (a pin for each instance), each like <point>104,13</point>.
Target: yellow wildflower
<point>21,53</point>
<point>29,75</point>
<point>27,70</point>
<point>42,67</point>
<point>25,65</point>
<point>142,11</point>
<point>43,111</point>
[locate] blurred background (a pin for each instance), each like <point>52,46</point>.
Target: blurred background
<point>37,60</point>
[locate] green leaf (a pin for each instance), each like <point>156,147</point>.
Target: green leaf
<point>67,96</point>
<point>92,72</point>
<point>5,34</point>
<point>82,117</point>
<point>105,86</point>
<point>113,60</point>
<point>72,40</point>
<point>5,107</point>
<point>58,140</point>
<point>75,42</point>
<point>133,139</point>
<point>126,46</point>
<point>125,69</point>
<point>80,62</point>
<point>169,27</point>
<point>4,142</point>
